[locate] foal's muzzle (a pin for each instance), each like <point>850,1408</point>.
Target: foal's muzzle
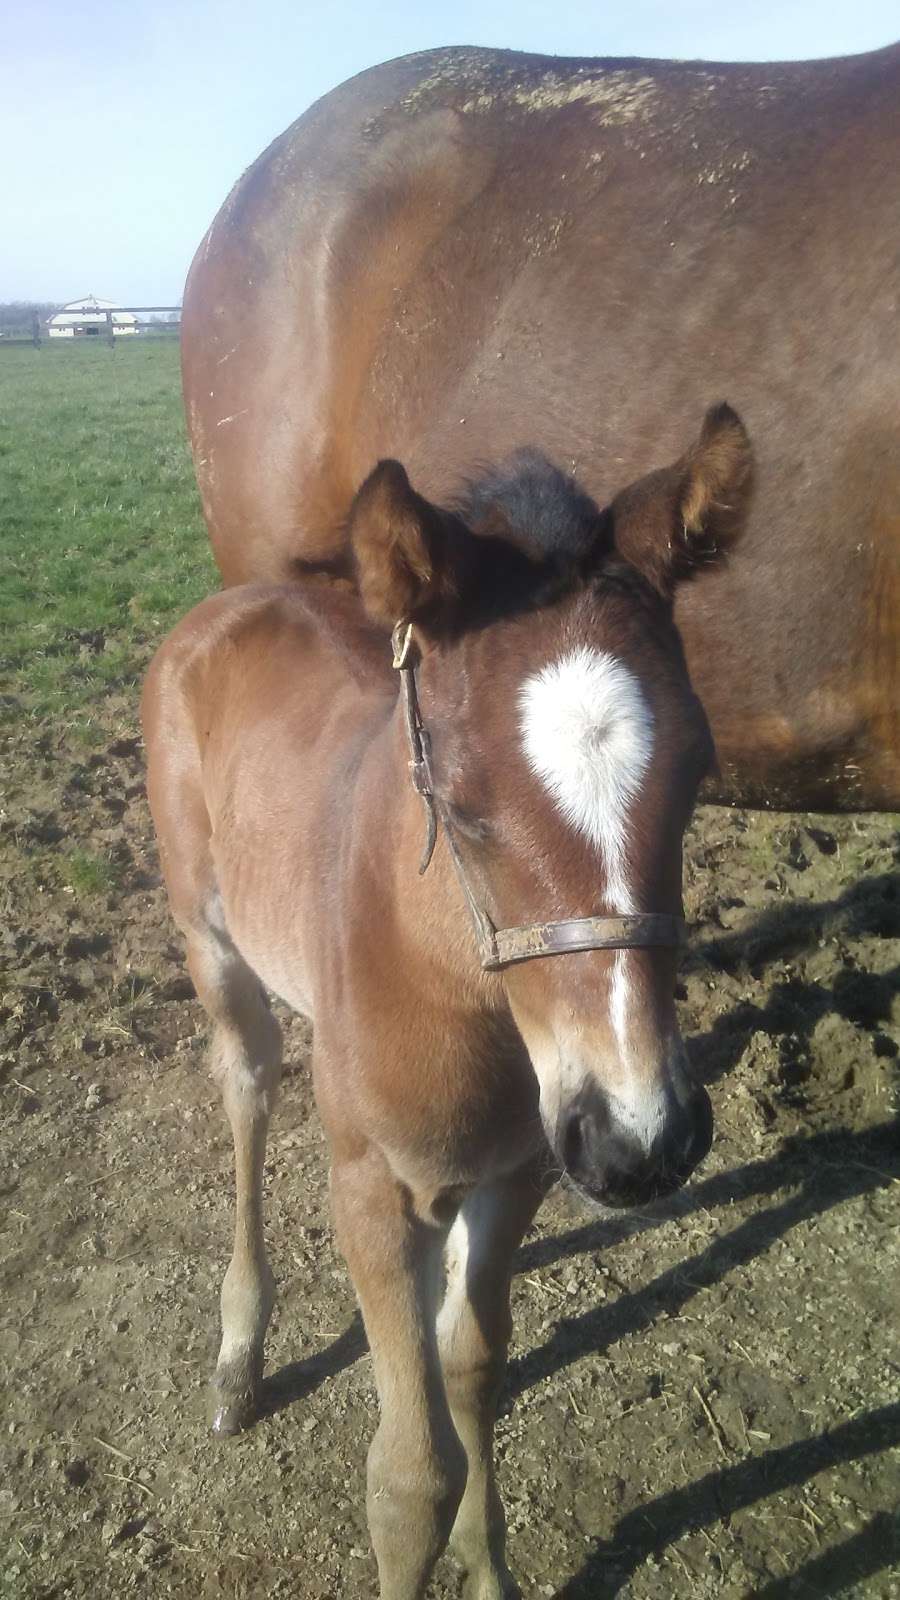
<point>612,1164</point>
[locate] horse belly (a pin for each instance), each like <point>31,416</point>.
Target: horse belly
<point>253,910</point>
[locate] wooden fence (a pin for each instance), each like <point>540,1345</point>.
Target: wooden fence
<point>37,331</point>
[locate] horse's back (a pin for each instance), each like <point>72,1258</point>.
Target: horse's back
<point>256,709</point>
<point>465,250</point>
<point>260,668</point>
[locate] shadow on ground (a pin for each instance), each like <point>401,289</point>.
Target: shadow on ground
<point>648,1530</point>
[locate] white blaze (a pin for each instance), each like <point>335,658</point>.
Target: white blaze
<point>588,735</point>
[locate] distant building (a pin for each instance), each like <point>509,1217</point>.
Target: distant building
<point>87,317</point>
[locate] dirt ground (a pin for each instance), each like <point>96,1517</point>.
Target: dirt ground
<point>701,1402</point>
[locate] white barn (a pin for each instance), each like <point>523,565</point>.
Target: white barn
<point>87,317</point>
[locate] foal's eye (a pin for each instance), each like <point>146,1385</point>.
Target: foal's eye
<point>468,823</point>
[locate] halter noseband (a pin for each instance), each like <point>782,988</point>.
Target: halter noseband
<point>502,947</point>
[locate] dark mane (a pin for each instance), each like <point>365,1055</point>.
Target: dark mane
<point>532,504</point>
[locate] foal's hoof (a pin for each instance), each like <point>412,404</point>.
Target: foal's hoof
<point>236,1390</point>
<point>233,1411</point>
<point>233,1416</point>
<point>491,1586</point>
<point>491,1583</point>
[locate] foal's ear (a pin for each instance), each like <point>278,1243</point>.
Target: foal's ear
<point>682,517</point>
<point>402,549</point>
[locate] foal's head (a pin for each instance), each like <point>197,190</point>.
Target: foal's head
<point>567,748</point>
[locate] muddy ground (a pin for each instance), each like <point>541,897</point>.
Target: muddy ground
<point>702,1402</point>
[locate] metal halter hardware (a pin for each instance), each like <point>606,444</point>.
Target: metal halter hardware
<point>502,947</point>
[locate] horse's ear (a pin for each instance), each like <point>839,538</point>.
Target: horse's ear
<point>684,516</point>
<point>715,477</point>
<point>402,549</point>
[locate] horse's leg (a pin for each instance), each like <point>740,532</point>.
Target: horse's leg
<point>245,1049</point>
<point>474,1327</point>
<point>246,1061</point>
<point>416,1465</point>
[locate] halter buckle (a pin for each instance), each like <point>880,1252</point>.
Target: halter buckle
<point>401,644</point>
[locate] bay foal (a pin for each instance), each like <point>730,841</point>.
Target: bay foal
<point>555,737</point>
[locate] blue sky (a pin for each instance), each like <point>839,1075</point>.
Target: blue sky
<point>123,126</point>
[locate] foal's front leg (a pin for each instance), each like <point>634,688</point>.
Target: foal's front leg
<point>416,1465</point>
<point>474,1327</point>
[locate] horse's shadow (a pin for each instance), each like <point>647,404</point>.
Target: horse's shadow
<point>875,1548</point>
<point>830,1168</point>
<point>297,1379</point>
<point>648,1529</point>
<point>793,1008</point>
<point>838,1165</point>
<point>869,907</point>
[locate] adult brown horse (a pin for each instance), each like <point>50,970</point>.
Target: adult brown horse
<point>465,251</point>
<point>555,736</point>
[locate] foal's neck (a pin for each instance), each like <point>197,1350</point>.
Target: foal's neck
<point>424,914</point>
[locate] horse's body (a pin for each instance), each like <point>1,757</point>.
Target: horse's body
<point>556,736</point>
<point>466,251</point>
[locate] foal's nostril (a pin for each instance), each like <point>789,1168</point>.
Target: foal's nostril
<point>582,1132</point>
<point>687,1139</point>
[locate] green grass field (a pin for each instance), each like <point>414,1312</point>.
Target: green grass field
<point>102,540</point>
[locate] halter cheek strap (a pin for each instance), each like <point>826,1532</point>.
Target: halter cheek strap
<point>503,947</point>
<point>417,736</point>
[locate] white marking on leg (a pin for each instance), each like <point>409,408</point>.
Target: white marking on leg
<point>464,1253</point>
<point>456,1260</point>
<point>588,735</point>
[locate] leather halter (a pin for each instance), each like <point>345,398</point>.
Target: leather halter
<point>502,947</point>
